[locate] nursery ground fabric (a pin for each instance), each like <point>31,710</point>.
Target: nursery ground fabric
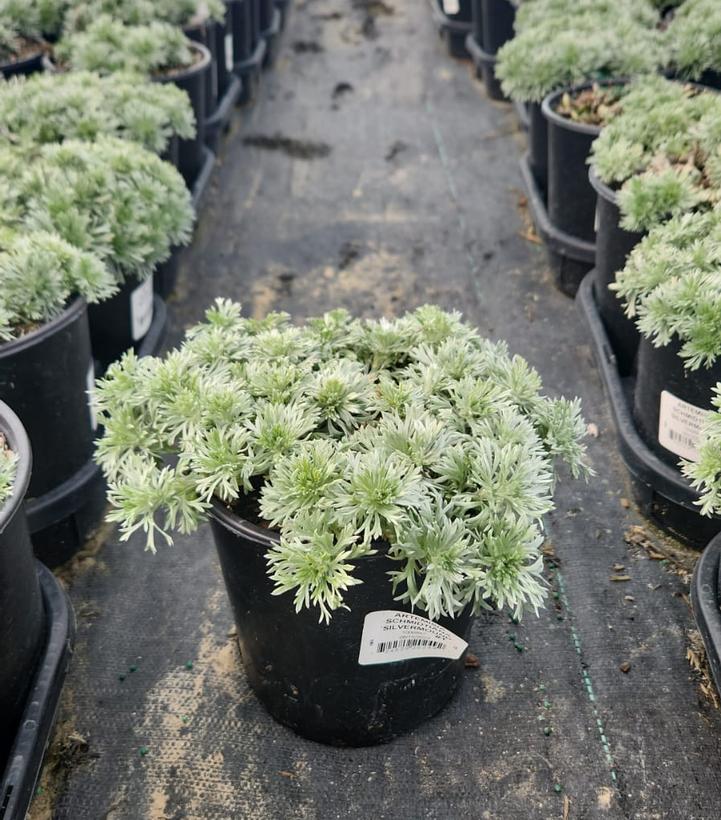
<point>373,174</point>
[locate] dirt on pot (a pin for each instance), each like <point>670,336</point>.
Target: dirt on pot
<point>596,105</point>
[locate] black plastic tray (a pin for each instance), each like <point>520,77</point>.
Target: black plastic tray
<point>453,31</point>
<point>271,35</point>
<point>249,72</point>
<point>219,121</point>
<point>485,64</point>
<point>706,602</point>
<point>571,258</point>
<point>662,493</point>
<point>201,181</point>
<point>21,773</point>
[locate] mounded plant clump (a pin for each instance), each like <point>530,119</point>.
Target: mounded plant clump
<point>671,286</point>
<point>23,23</point>
<point>144,12</point>
<point>107,45</point>
<point>46,108</point>
<point>563,43</point>
<point>694,38</point>
<point>705,473</point>
<point>412,436</point>
<point>662,152</point>
<point>111,198</point>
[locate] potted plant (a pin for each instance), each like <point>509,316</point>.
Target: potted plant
<point>124,204</point>
<point>46,369</point>
<point>453,18</point>
<point>362,478</point>
<point>694,42</point>
<point>559,52</point>
<point>655,160</point>
<point>21,49</point>
<point>492,28</point>
<point>54,107</point>
<point>157,50</point>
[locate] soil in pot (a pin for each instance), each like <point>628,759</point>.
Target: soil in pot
<point>22,620</point>
<point>613,245</point>
<point>669,402</point>
<point>122,321</point>
<point>193,80</point>
<point>28,59</point>
<point>311,676</point>
<point>575,118</point>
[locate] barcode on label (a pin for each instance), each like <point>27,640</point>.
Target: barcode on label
<point>390,636</point>
<point>680,437</point>
<point>390,646</point>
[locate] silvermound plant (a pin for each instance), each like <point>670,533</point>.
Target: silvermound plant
<point>46,108</point>
<point>22,20</point>
<point>411,436</point>
<point>143,12</point>
<point>562,43</point>
<point>8,468</point>
<point>705,474</point>
<point>694,38</point>
<point>662,152</point>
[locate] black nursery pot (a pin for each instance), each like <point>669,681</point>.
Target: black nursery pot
<point>455,26</point>
<point>127,320</point>
<point>22,619</point>
<point>712,79</point>
<point>660,371</point>
<point>193,80</point>
<point>28,65</point>
<point>205,34</point>
<point>496,28</point>
<point>248,46</point>
<point>538,145</point>
<point>307,674</point>
<point>613,245</point>
<point>45,376</point>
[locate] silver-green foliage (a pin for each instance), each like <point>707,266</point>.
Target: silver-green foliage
<point>108,46</point>
<point>671,286</point>
<point>694,38</point>
<point>8,468</point>
<point>81,105</point>
<point>705,473</point>
<point>663,151</point>
<point>562,43</point>
<point>143,12</point>
<point>30,19</point>
<point>413,435</point>
<point>111,198</point>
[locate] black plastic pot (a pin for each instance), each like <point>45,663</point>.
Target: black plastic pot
<point>283,7</point>
<point>613,245</point>
<point>538,146</point>
<point>248,47</point>
<point>22,620</point>
<point>123,321</point>
<point>706,602</point>
<point>712,79</point>
<point>571,197</point>
<point>17,782</point>
<point>570,258</point>
<point>29,65</point>
<point>521,110</point>
<point>193,80</point>
<point>166,274</point>
<point>45,376</point>
<point>270,28</point>
<point>662,493</point>
<point>307,674</point>
<point>223,51</point>
<point>498,17</point>
<point>485,68</point>
<point>205,34</point>
<point>453,27</point>
<point>660,369</point>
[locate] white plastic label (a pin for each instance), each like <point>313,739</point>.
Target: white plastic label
<point>229,52</point>
<point>141,309</point>
<point>90,384</point>
<point>680,425</point>
<point>451,6</point>
<point>596,219</point>
<point>390,636</point>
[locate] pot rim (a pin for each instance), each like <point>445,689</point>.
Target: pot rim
<point>76,307</point>
<point>224,516</point>
<point>19,443</point>
<point>602,188</point>
<point>187,71</point>
<point>30,58</point>
<point>551,115</point>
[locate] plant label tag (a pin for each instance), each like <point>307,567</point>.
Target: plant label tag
<point>90,385</point>
<point>390,636</point>
<point>141,309</point>
<point>596,219</point>
<point>451,6</point>
<point>229,52</point>
<point>680,425</point>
